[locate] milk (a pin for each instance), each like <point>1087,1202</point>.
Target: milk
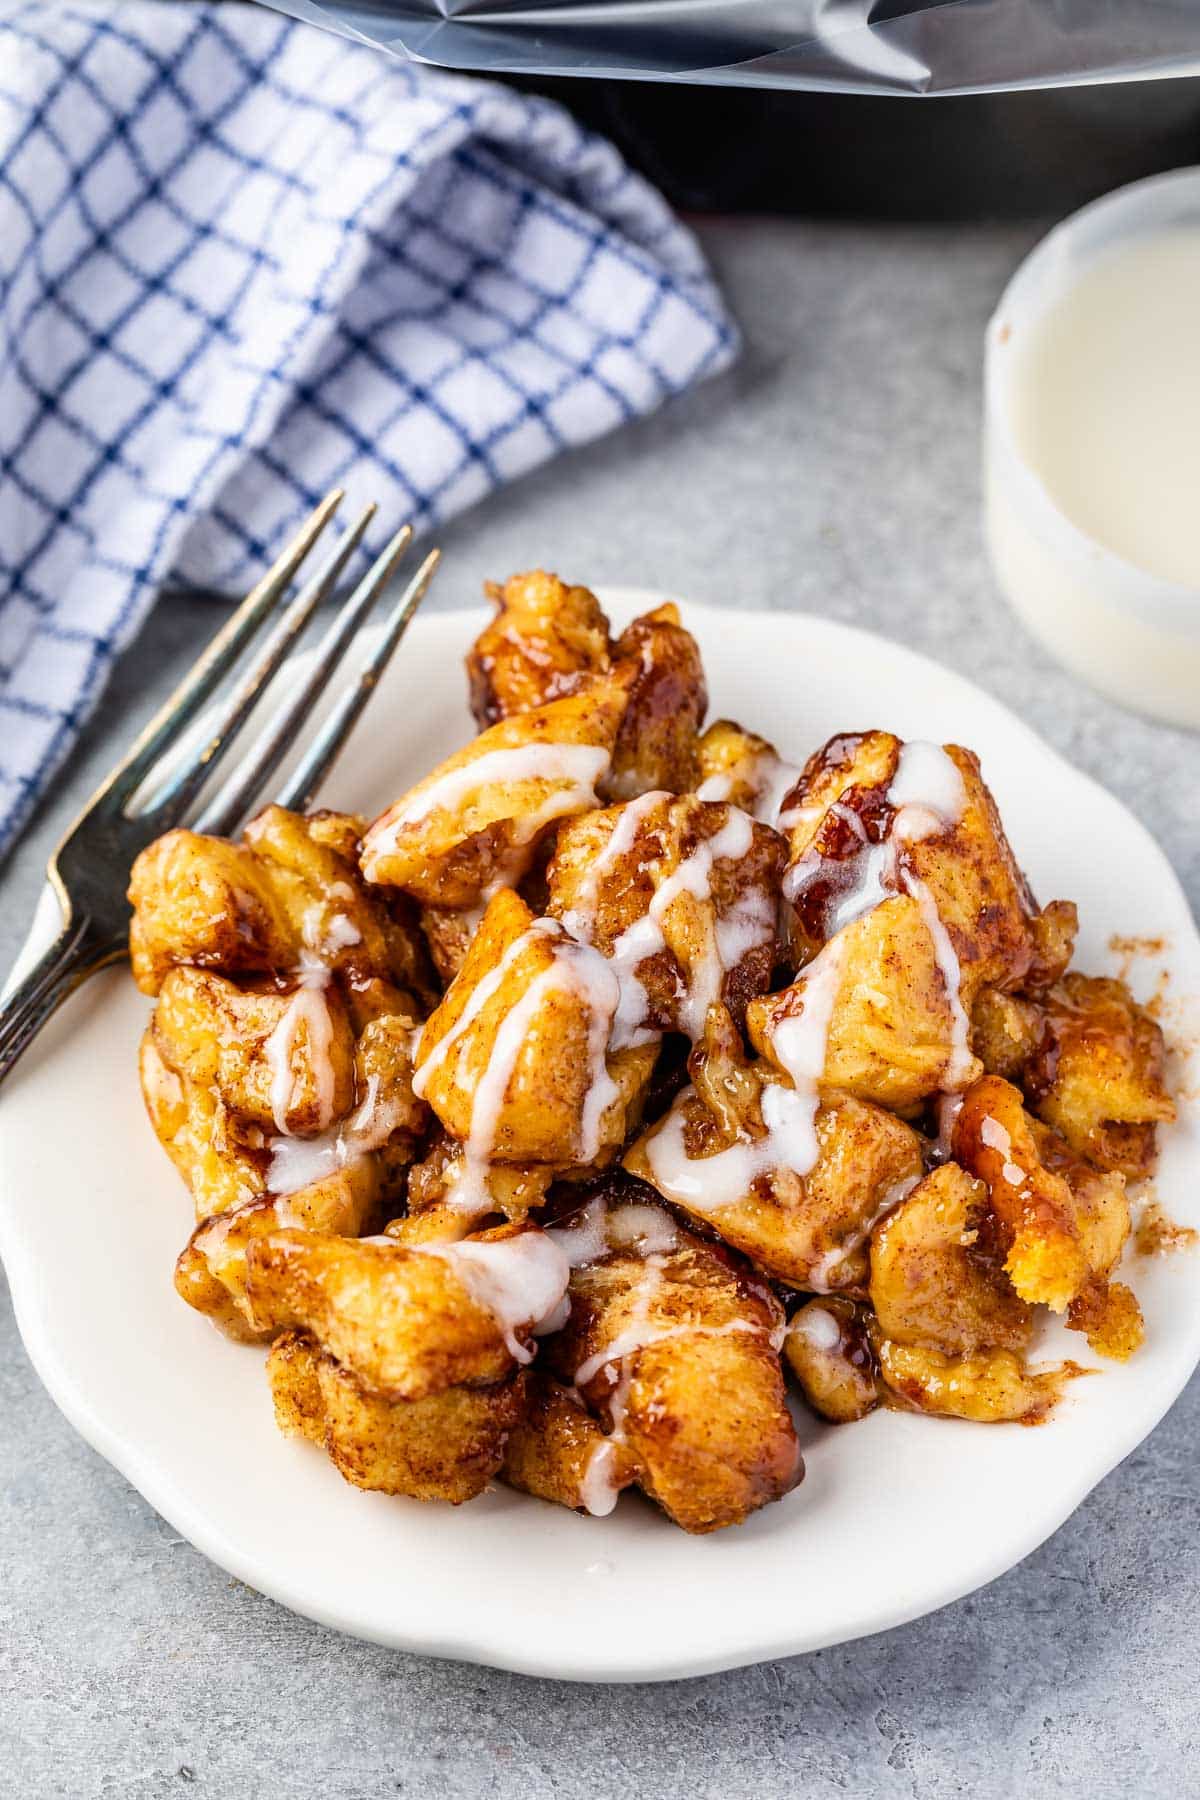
<point>1092,444</point>
<point>1105,402</point>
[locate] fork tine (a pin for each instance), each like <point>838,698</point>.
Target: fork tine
<point>325,749</point>
<point>28,994</point>
<point>221,654</point>
<point>234,802</point>
<point>172,800</point>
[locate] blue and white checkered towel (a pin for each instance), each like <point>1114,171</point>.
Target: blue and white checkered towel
<point>242,262</point>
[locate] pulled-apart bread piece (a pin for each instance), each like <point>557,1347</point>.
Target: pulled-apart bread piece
<point>744,769</point>
<point>908,901</point>
<point>548,639</point>
<point>475,823</point>
<point>1005,1031</point>
<point>448,931</point>
<point>212,1267</point>
<point>449,1176</point>
<point>1097,1075</point>
<point>794,1180</point>
<point>950,1331</point>
<point>846,1365</point>
<point>281,1061</point>
<point>515,1062</point>
<point>559,1451</point>
<point>937,1270</point>
<point>261,1090</point>
<point>256,1090</point>
<point>445,1447</point>
<point>680,896</point>
<point>673,1349</point>
<point>828,1348</point>
<point>872,815</point>
<point>545,641</point>
<point>658,665</point>
<point>408,1318</point>
<point>284,1096</point>
<point>287,898</point>
<point>1062,1223</point>
<point>945,1332</point>
<point>195,1128</point>
<point>246,1179</point>
<point>994,1387</point>
<point>404,1358</point>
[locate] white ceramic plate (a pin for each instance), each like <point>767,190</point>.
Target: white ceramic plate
<point>897,1516</point>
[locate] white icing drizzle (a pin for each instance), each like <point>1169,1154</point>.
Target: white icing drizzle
<point>596,985</point>
<point>469,1191</point>
<point>994,1135</point>
<point>341,933</point>
<point>801,1040</point>
<point>928,796</point>
<point>653,1233</point>
<point>792,816</point>
<point>628,1340</point>
<point>694,876</point>
<point>751,923</point>
<point>636,944</point>
<point>521,1281</point>
<point>930,781</point>
<point>577,970</point>
<point>307,1006</point>
<point>554,1321</point>
<point>779,779</point>
<point>709,1183</point>
<point>818,1328</point>
<point>298,1162</point>
<point>312,971</point>
<point>570,772</point>
<point>598,1229</point>
<point>639,1334</point>
<point>598,1491</point>
<point>327,936</point>
<point>479,997</point>
<point>768,777</point>
<point>706,1184</point>
<point>580,919</point>
<point>962,1062</point>
<point>717,788</point>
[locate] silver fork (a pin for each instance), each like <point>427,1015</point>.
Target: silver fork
<point>89,870</point>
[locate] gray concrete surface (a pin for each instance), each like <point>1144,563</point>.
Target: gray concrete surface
<point>835,470</point>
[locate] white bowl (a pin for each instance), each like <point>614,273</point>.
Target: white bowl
<point>1130,634</point>
<point>897,1515</point>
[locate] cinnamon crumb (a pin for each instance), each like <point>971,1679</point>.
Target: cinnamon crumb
<point>1130,949</point>
<point>1159,1000</point>
<point>1156,1234</point>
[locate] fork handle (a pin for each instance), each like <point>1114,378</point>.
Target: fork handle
<point>72,957</point>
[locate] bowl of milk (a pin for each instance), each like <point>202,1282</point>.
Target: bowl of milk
<point>1092,444</point>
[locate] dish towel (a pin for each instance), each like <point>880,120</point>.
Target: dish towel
<point>242,262</point>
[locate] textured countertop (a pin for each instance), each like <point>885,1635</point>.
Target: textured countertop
<point>834,470</point>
